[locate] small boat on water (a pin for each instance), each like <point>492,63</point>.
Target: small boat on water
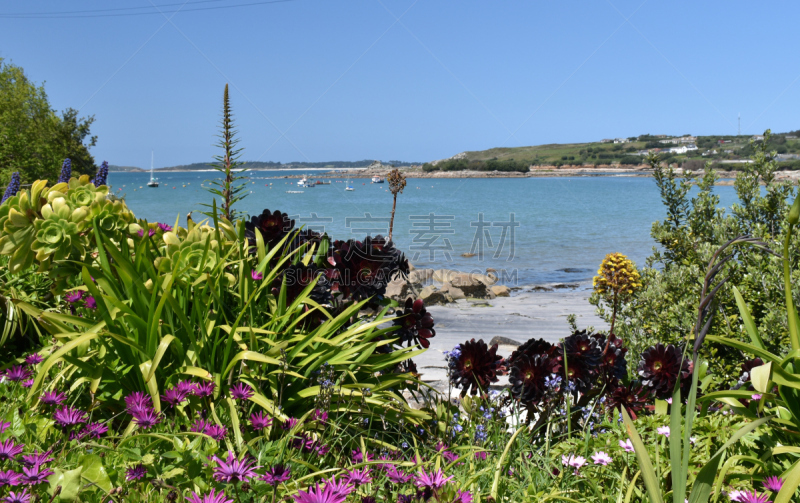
<point>377,179</point>
<point>349,186</point>
<point>306,183</point>
<point>294,191</point>
<point>153,180</point>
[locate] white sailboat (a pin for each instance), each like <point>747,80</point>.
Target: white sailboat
<point>153,180</point>
<point>349,186</point>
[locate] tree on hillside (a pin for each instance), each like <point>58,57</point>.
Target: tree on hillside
<point>34,138</point>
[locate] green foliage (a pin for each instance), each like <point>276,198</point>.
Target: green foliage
<point>694,228</point>
<point>35,138</point>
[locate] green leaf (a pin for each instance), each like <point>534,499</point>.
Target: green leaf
<point>747,318</point>
<point>94,472</point>
<point>646,466</point>
<point>790,484</point>
<point>69,481</point>
<point>499,467</point>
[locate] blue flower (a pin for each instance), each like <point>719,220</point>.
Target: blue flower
<point>480,433</point>
<point>66,171</point>
<point>13,187</point>
<point>102,175</point>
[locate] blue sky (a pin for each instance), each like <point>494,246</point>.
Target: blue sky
<point>317,80</point>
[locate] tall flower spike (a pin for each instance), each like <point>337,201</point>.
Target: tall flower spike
<point>12,188</point>
<point>66,171</point>
<point>102,175</point>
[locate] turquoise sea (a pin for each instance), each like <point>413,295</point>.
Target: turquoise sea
<point>561,228</point>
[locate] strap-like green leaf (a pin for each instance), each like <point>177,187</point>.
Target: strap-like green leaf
<point>645,465</point>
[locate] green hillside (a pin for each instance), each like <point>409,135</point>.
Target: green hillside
<point>632,152</point>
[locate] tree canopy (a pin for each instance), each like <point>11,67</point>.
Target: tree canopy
<point>34,138</point>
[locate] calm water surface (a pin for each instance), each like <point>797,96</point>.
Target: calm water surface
<point>561,229</point>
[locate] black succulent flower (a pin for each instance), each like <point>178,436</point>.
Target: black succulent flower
<point>614,365</point>
<point>633,397</point>
<point>273,227</point>
<point>527,377</point>
<point>362,269</point>
<point>660,367</point>
<point>416,324</point>
<point>476,367</point>
<point>583,359</point>
<point>537,347</point>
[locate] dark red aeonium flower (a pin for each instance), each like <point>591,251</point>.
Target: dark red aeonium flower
<point>660,366</point>
<point>416,324</point>
<point>583,359</point>
<point>298,277</point>
<point>362,269</point>
<point>273,227</point>
<point>476,367</point>
<point>633,397</point>
<point>747,368</point>
<point>614,365</point>
<point>527,376</point>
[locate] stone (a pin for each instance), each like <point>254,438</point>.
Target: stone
<point>470,286</point>
<point>467,255</point>
<point>503,341</point>
<point>399,289</point>
<point>501,290</point>
<point>455,292</point>
<point>420,275</point>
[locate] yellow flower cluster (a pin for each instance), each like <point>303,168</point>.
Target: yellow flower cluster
<point>617,275</point>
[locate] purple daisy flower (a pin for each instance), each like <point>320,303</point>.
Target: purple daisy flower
<point>260,421</point>
<point>4,426</point>
<point>164,227</point>
<point>10,478</point>
<point>396,476</point>
<point>33,359</point>
<point>37,458</point>
<point>463,497</point>
<point>68,416</point>
<point>217,432</point>
<point>175,396</point>
<point>95,430</point>
<point>257,276</point>
<point>233,470</point>
<point>138,401</point>
<point>319,494</point>
<point>358,456</point>
<point>434,480</point>
<point>773,484</point>
<point>203,389</point>
<point>18,373</point>
<point>754,497</point>
<point>73,296</point>
<point>35,474</point>
<point>146,418</point>
<point>277,475</point>
<point>90,302</point>
<point>212,497</point>
<point>358,477</point>
<point>150,232</point>
<point>341,487</point>
<point>321,449</point>
<point>185,386</point>
<point>290,423</point>
<point>136,472</point>
<point>53,398</point>
<point>22,497</point>
<point>27,383</point>
<point>241,391</point>
<point>199,426</point>
<point>320,416</point>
